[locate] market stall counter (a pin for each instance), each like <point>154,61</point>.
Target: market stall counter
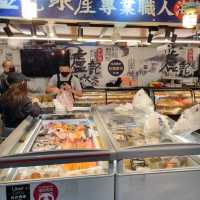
<point>68,154</point>
<point>151,163</point>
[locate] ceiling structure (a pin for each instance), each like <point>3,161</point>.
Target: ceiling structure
<point>94,32</point>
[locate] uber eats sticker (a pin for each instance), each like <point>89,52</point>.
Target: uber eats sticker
<point>18,192</point>
<point>116,67</point>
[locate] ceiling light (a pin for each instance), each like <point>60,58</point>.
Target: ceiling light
<point>131,41</point>
<point>191,11</point>
<point>8,31</point>
<point>29,9</point>
<point>178,41</point>
<point>190,20</point>
<point>94,40</point>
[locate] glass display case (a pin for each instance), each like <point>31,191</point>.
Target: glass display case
<point>172,102</point>
<point>118,97</point>
<point>74,135</point>
<point>197,96</point>
<point>151,162</point>
<point>96,97</point>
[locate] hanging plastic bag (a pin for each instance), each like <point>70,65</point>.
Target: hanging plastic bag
<point>64,101</point>
<point>155,128</point>
<point>143,102</point>
<point>189,121</point>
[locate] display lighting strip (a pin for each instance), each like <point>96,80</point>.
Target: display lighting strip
<point>178,41</point>
<point>136,41</point>
<point>36,38</point>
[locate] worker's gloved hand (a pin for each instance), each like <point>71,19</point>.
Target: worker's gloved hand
<point>67,87</point>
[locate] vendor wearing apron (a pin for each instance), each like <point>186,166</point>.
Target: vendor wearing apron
<point>64,80</point>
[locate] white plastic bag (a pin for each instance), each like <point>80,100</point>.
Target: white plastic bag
<point>189,121</point>
<point>143,102</point>
<point>65,101</point>
<point>155,127</point>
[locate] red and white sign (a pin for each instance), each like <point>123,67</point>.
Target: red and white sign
<point>46,191</point>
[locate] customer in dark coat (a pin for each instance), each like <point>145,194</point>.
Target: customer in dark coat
<point>15,105</point>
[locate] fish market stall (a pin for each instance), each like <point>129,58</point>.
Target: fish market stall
<point>68,152</point>
<point>152,160</point>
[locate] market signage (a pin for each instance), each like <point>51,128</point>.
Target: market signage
<point>106,10</point>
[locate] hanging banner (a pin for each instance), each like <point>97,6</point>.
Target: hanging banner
<point>102,10</point>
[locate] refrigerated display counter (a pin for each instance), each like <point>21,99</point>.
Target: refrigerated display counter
<point>154,166</point>
<point>57,143</point>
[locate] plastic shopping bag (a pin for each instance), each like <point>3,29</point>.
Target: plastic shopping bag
<point>65,101</point>
<point>143,102</point>
<point>189,121</point>
<point>155,127</point>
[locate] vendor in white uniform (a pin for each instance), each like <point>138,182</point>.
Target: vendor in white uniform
<point>64,80</point>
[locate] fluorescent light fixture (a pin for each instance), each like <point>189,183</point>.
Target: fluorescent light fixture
<point>106,40</point>
<point>36,38</point>
<point>190,20</point>
<point>129,40</point>
<point>29,9</point>
<point>94,40</point>
<point>178,41</point>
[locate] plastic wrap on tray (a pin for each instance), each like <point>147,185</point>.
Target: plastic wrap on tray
<point>55,135</point>
<point>129,127</point>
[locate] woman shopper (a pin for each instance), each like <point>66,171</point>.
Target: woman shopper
<point>15,105</point>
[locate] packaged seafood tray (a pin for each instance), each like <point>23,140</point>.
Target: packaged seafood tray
<point>65,134</point>
<point>172,102</point>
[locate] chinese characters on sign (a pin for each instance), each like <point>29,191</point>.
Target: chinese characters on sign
<point>123,8</point>
<point>8,4</point>
<point>108,10</point>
